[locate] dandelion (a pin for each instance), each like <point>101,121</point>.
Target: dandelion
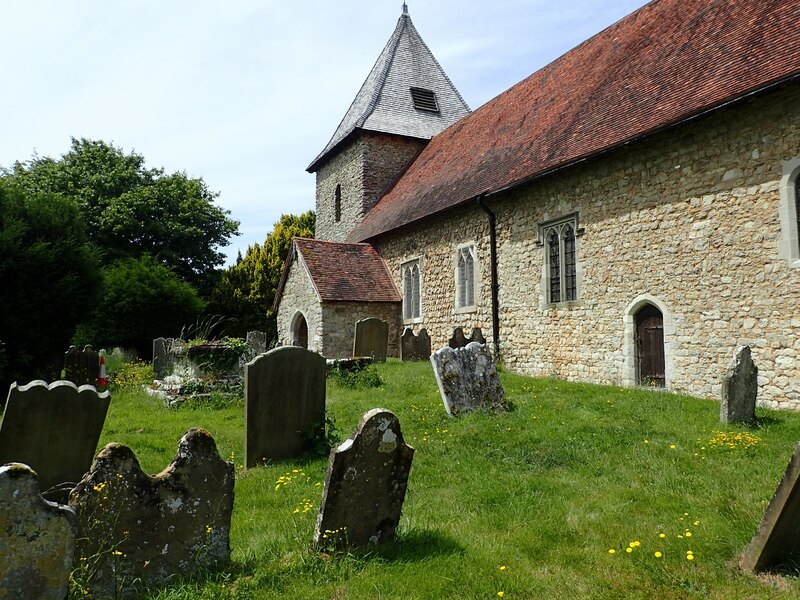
<point>647,441</point>
<point>612,551</point>
<point>502,567</point>
<point>501,594</point>
<point>662,535</point>
<point>658,554</point>
<point>697,523</point>
<point>628,549</point>
<point>673,446</point>
<point>688,534</point>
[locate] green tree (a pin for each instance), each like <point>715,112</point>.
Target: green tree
<point>132,211</point>
<point>141,300</point>
<point>50,279</point>
<point>246,290</point>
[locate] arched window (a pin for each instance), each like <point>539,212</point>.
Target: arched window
<point>561,262</point>
<point>412,291</point>
<point>789,212</point>
<point>465,277</point>
<point>337,203</point>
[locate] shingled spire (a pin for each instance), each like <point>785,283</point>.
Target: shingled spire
<point>407,93</point>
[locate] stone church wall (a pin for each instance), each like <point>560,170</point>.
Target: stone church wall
<point>299,296</point>
<point>340,325</point>
<point>687,219</point>
<point>362,170</point>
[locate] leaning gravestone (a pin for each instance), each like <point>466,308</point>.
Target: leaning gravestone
<point>82,367</point>
<point>778,536</point>
<point>739,389</point>
<point>467,379</point>
<point>365,485</point>
<point>371,339</point>
<point>37,539</point>
<point>142,530</point>
<point>415,347</point>
<point>54,429</point>
<point>284,404</point>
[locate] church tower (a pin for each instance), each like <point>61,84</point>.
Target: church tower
<point>406,100</point>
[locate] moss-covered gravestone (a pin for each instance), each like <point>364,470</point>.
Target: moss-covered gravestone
<point>37,539</point>
<point>365,485</point>
<point>141,530</point>
<point>467,379</point>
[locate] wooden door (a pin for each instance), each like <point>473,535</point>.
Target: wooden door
<point>650,347</point>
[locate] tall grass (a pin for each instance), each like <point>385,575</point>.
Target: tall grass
<point>529,503</point>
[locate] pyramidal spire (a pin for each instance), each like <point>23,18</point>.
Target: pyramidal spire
<point>406,93</point>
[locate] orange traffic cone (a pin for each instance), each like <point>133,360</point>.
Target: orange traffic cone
<point>102,380</point>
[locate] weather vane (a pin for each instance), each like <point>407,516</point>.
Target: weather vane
<point>405,8</point>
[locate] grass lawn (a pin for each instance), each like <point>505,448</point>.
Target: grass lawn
<point>527,504</point>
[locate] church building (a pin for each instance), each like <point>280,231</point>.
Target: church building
<point>628,214</point>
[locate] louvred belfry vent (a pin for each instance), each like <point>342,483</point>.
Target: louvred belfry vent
<point>424,99</point>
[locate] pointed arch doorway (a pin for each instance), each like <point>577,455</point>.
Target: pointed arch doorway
<point>649,332</point>
<point>300,331</point>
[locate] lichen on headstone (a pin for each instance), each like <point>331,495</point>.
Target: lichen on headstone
<point>740,389</point>
<point>37,539</point>
<point>467,379</point>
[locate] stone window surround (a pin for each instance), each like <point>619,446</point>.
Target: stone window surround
<point>294,325</point>
<point>408,262</point>
<point>541,243</point>
<point>789,247</point>
<point>629,339</point>
<point>476,278</point>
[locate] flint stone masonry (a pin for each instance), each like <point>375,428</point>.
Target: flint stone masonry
<point>467,379</point>
<point>284,404</point>
<point>82,367</point>
<point>164,527</point>
<point>415,347</point>
<point>778,536</point>
<point>739,389</point>
<point>662,197</point>
<point>366,484</point>
<point>371,338</point>
<point>37,539</point>
<point>54,429</point>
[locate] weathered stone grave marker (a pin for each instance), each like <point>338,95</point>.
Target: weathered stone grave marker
<point>366,484</point>
<point>284,404</point>
<point>163,357</point>
<point>778,534</point>
<point>257,342</point>
<point>739,389</point>
<point>467,379</point>
<point>415,347</point>
<point>82,367</point>
<point>459,340</point>
<point>143,530</point>
<point>37,539</point>
<point>54,429</point>
<point>371,339</point>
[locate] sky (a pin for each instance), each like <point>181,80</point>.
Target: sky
<point>246,93</point>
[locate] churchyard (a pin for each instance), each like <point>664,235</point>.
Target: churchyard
<point>574,491</point>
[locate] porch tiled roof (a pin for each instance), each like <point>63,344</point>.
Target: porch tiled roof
<point>347,272</point>
<point>667,62</point>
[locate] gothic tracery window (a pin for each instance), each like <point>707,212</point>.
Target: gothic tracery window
<point>465,277</point>
<point>561,260</point>
<point>412,290</point>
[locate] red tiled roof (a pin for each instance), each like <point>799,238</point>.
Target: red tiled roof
<point>666,62</point>
<point>346,272</point>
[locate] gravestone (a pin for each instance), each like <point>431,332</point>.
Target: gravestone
<point>82,367</point>
<point>163,359</point>
<point>415,347</point>
<point>37,539</point>
<point>365,485</point>
<point>467,379</point>
<point>739,389</point>
<point>458,340</point>
<point>257,342</point>
<point>151,530</point>
<point>371,339</point>
<point>54,429</point>
<point>778,536</point>
<point>477,336</point>
<point>284,404</point>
